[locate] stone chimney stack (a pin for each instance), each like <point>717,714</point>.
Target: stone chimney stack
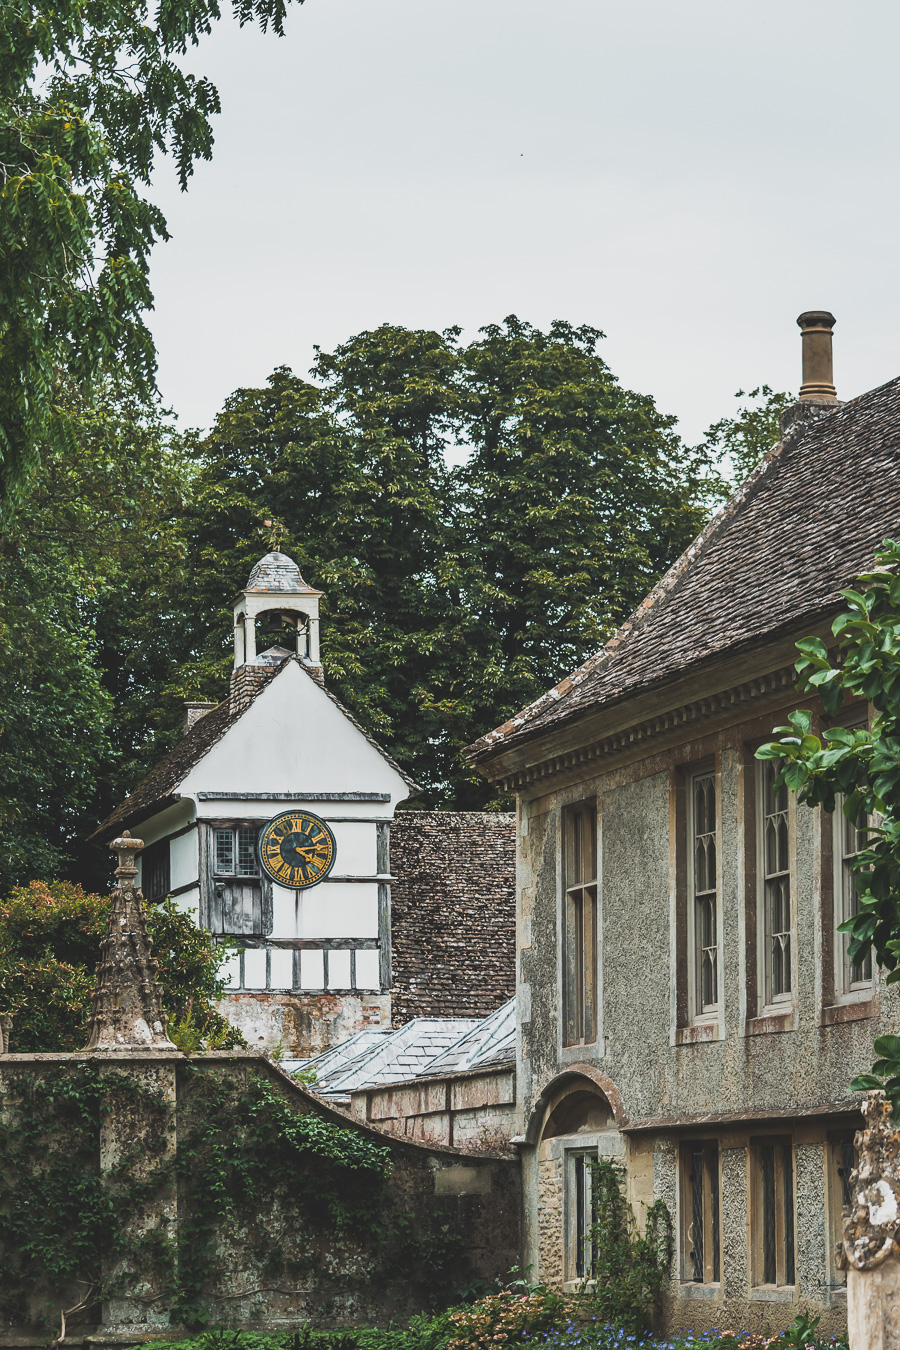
<point>818,365</point>
<point>818,396</point>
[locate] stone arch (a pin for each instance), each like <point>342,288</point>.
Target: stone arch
<point>578,1084</point>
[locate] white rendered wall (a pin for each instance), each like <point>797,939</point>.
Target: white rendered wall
<point>292,738</point>
<point>335,909</point>
<point>184,860</point>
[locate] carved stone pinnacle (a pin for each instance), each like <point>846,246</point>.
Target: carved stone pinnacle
<point>127,1010</point>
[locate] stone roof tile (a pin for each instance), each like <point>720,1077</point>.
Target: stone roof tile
<point>773,559</point>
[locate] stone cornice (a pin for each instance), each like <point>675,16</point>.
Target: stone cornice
<point>650,729</point>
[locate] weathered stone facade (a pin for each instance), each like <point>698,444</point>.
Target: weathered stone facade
<point>679,953</point>
<point>452,913</point>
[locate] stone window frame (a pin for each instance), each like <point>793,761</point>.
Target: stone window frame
<point>577,1216</point>
<point>574,959</point>
<point>697,1011</point>
<point>692,1026</point>
<point>763,1017</point>
<point>772,1212</point>
<point>838,1004</point>
<point>710,1205</point>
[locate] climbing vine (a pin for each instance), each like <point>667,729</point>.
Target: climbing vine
<point>252,1175</point>
<point>629,1268</point>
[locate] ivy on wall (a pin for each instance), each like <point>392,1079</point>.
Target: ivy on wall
<point>267,1197</point>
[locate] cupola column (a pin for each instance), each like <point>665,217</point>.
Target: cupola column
<point>249,639</point>
<point>313,641</point>
<point>238,642</point>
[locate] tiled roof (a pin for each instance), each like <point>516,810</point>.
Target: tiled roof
<point>453,913</point>
<point>425,1048</point>
<point>489,1044</point>
<point>206,732</point>
<point>397,1057</point>
<point>276,572</point>
<point>774,559</point>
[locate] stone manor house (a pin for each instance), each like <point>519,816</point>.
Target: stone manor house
<point>685,1001</point>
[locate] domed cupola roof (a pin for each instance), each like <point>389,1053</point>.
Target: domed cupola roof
<point>277,572</point>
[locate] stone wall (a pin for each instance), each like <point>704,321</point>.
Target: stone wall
<point>282,1261</point>
<point>475,1112</point>
<point>452,913</point>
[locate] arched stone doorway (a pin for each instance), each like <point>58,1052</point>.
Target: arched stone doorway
<point>574,1120</point>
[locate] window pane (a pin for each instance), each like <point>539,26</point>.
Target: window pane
<point>767,1171</point>
<point>788,1175</point>
<point>696,1231</point>
<point>246,861</point>
<point>225,852</point>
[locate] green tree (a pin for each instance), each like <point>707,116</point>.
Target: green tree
<point>453,596</point>
<point>89,95</point>
<point>88,564</point>
<point>737,444</point>
<point>858,768</point>
<point>578,494</point>
<point>50,937</point>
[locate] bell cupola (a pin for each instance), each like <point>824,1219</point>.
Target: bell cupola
<point>277,595</point>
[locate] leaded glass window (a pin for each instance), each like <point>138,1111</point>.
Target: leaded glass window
<point>775,888</point>
<point>773,1213</point>
<point>852,977</point>
<point>580,924</point>
<point>703,898</point>
<point>700,1212</point>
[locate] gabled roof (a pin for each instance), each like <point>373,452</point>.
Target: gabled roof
<point>772,561</point>
<point>155,791</point>
<point>426,1047</point>
<point>394,1058</point>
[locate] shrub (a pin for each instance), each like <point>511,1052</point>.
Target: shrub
<point>50,935</point>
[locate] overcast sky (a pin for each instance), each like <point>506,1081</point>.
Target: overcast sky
<point>687,175</point>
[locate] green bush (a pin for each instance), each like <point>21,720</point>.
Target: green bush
<point>50,935</point>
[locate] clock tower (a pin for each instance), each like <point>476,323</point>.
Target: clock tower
<point>270,823</point>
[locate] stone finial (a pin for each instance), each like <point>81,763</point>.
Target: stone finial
<point>5,1032</point>
<point>127,1008</point>
<point>872,1221</point>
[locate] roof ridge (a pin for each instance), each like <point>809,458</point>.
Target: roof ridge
<point>650,604</point>
<point>200,732</point>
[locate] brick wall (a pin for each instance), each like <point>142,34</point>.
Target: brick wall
<point>453,913</point>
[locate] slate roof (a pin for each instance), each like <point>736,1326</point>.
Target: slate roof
<point>490,1044</point>
<point>395,1058</point>
<point>278,573</point>
<point>153,792</point>
<point>802,527</point>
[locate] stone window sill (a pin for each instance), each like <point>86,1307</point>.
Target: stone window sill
<point>855,1011</point>
<point>698,1034</point>
<point>771,1024</point>
<point>692,1290</point>
<point>772,1293</point>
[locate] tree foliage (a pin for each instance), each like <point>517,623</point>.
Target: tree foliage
<point>453,595</point>
<point>50,937</point>
<point>737,444</point>
<point>861,766</point>
<point>89,563</point>
<point>90,94</point>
